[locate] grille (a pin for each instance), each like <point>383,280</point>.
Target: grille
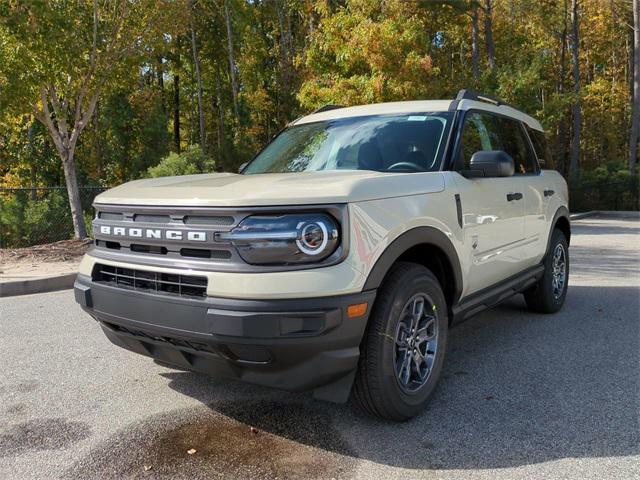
<point>160,250</point>
<point>152,218</point>
<point>143,232</point>
<point>154,282</point>
<point>208,220</point>
<point>110,216</point>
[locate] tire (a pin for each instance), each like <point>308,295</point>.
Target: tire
<point>378,388</point>
<point>547,296</point>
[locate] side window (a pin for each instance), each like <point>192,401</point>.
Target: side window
<point>515,144</point>
<point>479,133</point>
<point>540,145</point>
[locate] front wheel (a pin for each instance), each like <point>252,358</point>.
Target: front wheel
<point>548,295</point>
<point>403,349</point>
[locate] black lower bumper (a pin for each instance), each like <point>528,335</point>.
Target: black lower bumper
<point>298,345</point>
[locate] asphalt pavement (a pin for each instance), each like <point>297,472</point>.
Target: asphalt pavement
<point>523,396</point>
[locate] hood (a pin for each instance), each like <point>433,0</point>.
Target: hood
<point>305,188</point>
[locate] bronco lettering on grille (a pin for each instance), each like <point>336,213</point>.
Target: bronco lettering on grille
<point>154,233</point>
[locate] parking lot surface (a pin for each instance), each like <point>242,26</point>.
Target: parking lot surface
<point>523,396</point>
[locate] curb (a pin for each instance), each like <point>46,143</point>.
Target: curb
<point>605,214</point>
<point>37,285</point>
<point>578,216</point>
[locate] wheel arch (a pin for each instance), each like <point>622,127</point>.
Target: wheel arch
<point>427,246</point>
<point>562,222</point>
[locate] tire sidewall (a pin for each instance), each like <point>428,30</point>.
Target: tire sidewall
<point>403,291</point>
<point>557,239</point>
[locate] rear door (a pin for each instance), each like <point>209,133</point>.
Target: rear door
<point>492,216</point>
<point>542,199</point>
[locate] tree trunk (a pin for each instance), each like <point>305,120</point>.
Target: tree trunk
<point>220,108</point>
<point>577,107</point>
<point>475,52</point>
<point>176,112</point>
<point>160,80</point>
<point>65,139</point>
<point>284,66</point>
<point>71,180</point>
<point>488,34</point>
<point>97,142</point>
<point>32,160</point>
<point>562,124</point>
<point>196,64</point>
<point>232,60</point>
<point>635,110</point>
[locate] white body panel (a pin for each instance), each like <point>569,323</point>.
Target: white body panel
<point>267,189</point>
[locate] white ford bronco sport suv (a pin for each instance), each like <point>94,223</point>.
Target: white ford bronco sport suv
<point>338,258</point>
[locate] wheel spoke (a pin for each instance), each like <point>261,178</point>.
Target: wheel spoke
<point>406,370</point>
<point>423,334</point>
<point>415,342</point>
<point>417,312</point>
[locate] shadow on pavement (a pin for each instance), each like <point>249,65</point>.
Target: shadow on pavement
<point>518,389</point>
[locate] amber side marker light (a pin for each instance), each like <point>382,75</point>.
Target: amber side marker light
<point>357,310</point>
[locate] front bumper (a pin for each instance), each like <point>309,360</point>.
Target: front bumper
<point>298,345</point>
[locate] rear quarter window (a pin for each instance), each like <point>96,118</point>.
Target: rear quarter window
<point>541,147</point>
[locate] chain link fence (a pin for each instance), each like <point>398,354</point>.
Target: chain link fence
<point>605,196</point>
<point>38,215</point>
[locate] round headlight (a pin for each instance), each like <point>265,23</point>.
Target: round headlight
<point>314,238</point>
<point>284,239</point>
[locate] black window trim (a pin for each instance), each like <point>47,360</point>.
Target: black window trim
<point>539,161</point>
<point>532,148</point>
<point>455,150</point>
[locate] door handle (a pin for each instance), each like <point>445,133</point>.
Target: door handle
<point>548,192</point>
<point>514,196</point>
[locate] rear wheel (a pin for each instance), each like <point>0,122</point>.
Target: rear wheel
<point>403,349</point>
<point>548,295</point>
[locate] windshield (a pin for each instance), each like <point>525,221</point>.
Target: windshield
<point>407,142</point>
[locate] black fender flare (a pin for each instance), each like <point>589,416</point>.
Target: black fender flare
<point>407,240</point>
<point>562,212</point>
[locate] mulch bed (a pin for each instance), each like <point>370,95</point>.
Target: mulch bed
<point>62,251</point>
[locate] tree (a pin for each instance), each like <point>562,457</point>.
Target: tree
<point>368,52</point>
<point>577,110</point>
<point>488,34</point>
<point>232,58</point>
<point>635,101</point>
<point>475,51</point>
<point>66,53</point>
<point>196,64</point>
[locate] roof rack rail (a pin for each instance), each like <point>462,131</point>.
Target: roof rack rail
<point>327,107</point>
<point>481,97</point>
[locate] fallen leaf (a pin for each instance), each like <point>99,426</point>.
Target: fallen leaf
<point>191,451</point>
<point>147,468</point>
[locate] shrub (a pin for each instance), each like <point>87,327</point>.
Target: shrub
<point>191,161</point>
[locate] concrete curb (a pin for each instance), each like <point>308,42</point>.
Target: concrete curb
<point>37,285</point>
<point>606,214</point>
<point>578,216</point>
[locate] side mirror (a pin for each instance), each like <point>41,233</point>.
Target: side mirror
<point>242,167</point>
<point>490,163</point>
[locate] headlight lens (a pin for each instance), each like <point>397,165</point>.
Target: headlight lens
<point>284,239</point>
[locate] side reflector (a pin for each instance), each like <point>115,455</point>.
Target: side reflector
<point>356,310</point>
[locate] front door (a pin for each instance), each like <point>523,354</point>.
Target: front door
<point>493,209</point>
